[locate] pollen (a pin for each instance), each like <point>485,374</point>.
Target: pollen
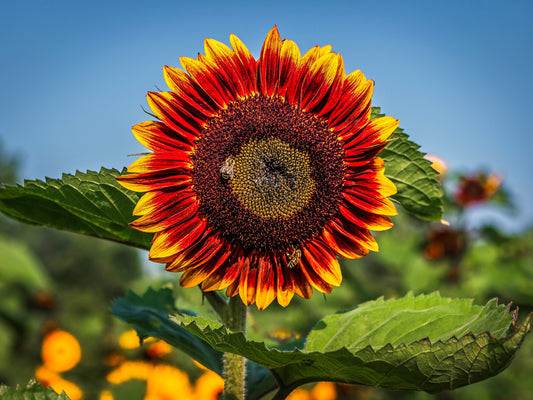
<point>272,179</point>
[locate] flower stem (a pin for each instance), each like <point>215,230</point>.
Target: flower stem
<point>234,371</point>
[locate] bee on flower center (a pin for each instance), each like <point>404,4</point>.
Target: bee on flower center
<point>227,168</point>
<point>294,258</point>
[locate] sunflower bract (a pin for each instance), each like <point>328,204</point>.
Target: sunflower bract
<point>262,171</point>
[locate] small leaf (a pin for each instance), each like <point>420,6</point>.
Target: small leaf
<point>419,192</point>
<point>149,316</point>
<point>34,391</point>
<point>90,203</point>
<point>424,343</point>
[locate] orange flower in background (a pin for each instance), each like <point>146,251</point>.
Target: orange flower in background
<point>445,242</point>
<point>49,378</point>
<point>168,383</point>
<point>130,370</point>
<point>60,351</point>
<point>321,391</point>
<point>106,395</point>
<point>262,171</point>
<point>158,349</point>
<point>477,188</point>
<point>129,340</point>
<point>208,386</point>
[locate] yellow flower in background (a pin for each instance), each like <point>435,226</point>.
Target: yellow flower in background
<point>321,391</point>
<point>60,351</point>
<point>106,395</point>
<point>208,386</point>
<point>130,370</point>
<point>158,349</point>
<point>324,391</point>
<point>49,378</point>
<point>168,383</point>
<point>129,340</point>
<point>163,382</point>
<point>299,394</point>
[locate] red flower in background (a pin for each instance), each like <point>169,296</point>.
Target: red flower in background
<point>262,171</point>
<point>475,189</point>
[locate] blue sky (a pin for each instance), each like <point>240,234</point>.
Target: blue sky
<point>458,74</point>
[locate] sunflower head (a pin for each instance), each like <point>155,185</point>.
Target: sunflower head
<point>262,171</point>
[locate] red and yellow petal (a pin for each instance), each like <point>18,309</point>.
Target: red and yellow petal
<point>172,241</point>
<point>247,66</point>
<point>269,63</point>
<point>248,280</point>
<point>266,283</point>
<point>156,136</point>
<point>323,261</point>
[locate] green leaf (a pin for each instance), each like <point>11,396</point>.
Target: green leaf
<point>419,192</point>
<point>90,203</point>
<point>149,316</point>
<point>424,343</point>
<point>34,391</point>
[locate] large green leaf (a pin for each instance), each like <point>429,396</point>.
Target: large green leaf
<point>419,192</point>
<point>91,203</point>
<point>149,316</point>
<point>424,343</point>
<point>34,391</point>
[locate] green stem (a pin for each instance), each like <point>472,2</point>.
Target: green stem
<point>234,371</point>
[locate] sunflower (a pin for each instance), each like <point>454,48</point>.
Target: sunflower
<point>262,171</point>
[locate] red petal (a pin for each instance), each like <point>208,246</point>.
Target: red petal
<point>368,203</point>
<point>197,253</point>
<point>295,86</point>
<point>227,62</point>
<point>319,80</point>
<point>314,279</point>
<point>187,89</point>
<point>162,160</point>
<point>174,240</point>
<point>289,59</point>
<point>227,274</point>
<point>360,237</point>
<point>266,283</point>
<point>210,84</point>
<point>285,289</point>
<point>167,217</point>
<point>155,201</point>
<point>173,114</point>
<point>156,180</point>
<point>300,284</point>
<point>342,243</point>
<point>248,281</point>
<point>156,136</point>
<point>201,271</point>
<point>247,67</point>
<point>365,219</point>
<point>269,63</point>
<point>323,262</point>
<point>354,101</point>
